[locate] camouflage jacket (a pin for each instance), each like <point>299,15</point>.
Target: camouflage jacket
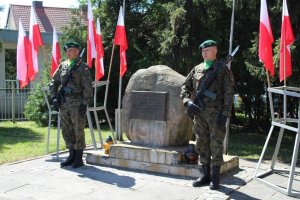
<point>222,86</point>
<point>80,84</point>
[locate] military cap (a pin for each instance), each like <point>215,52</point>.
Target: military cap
<point>207,43</point>
<point>70,45</point>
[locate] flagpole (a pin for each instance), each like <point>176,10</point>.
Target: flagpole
<point>108,77</point>
<point>284,56</point>
<point>270,96</point>
<point>284,80</point>
<point>95,88</point>
<point>119,109</point>
<point>225,142</point>
<point>268,79</point>
<point>108,80</point>
<point>119,131</point>
<point>111,58</point>
<point>284,67</point>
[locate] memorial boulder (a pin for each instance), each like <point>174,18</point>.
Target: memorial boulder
<point>153,113</point>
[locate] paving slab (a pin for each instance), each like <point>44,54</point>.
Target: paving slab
<point>43,179</point>
<point>256,190</point>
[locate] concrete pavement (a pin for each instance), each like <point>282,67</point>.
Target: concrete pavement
<point>43,179</point>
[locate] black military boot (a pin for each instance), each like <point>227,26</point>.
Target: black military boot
<point>215,178</point>
<point>78,162</point>
<point>205,178</point>
<point>70,159</point>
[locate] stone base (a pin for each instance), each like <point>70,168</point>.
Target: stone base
<point>164,160</point>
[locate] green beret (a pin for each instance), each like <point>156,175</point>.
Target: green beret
<point>70,45</point>
<point>207,43</point>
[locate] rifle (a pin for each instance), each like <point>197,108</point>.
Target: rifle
<point>61,91</point>
<point>202,89</point>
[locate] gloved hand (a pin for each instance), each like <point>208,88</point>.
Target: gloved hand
<point>192,109</point>
<point>82,109</point>
<point>221,122</point>
<point>55,103</point>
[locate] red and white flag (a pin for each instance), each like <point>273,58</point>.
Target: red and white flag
<point>287,38</point>
<point>22,56</point>
<point>265,51</point>
<point>120,39</point>
<point>100,53</point>
<point>91,53</point>
<point>35,40</point>
<point>56,56</point>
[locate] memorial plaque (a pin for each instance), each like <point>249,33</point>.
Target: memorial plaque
<point>150,105</point>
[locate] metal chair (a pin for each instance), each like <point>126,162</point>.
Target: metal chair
<point>51,112</point>
<point>291,124</point>
<point>94,109</point>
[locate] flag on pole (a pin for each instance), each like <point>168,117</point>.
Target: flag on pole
<point>91,36</point>
<point>56,56</point>
<point>100,53</point>
<point>287,38</point>
<point>120,39</point>
<point>265,51</point>
<point>35,40</point>
<point>22,57</point>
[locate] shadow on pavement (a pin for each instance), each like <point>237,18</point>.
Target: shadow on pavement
<point>54,159</point>
<point>241,196</point>
<point>230,179</point>
<point>108,177</point>
<point>230,184</point>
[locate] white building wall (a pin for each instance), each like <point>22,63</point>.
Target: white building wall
<point>20,95</point>
<point>10,22</point>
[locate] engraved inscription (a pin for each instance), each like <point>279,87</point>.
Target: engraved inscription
<point>150,105</point>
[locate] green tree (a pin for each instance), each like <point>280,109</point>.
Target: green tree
<point>169,32</point>
<point>35,107</point>
<point>256,69</point>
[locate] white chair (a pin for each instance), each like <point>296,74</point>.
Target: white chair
<point>94,109</point>
<point>45,91</point>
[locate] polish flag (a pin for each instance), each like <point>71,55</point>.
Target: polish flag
<point>35,40</point>
<point>56,56</point>
<point>100,53</point>
<point>91,36</point>
<point>22,57</point>
<point>120,39</point>
<point>287,38</point>
<point>265,51</point>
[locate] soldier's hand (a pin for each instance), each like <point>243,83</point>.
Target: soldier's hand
<point>192,109</point>
<point>55,103</point>
<point>82,109</point>
<point>221,122</point>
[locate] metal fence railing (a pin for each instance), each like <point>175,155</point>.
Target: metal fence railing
<point>12,100</point>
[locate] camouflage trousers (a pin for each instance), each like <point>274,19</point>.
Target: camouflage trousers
<point>73,126</point>
<point>209,138</point>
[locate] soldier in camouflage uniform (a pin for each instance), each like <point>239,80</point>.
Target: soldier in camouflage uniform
<point>77,95</point>
<point>210,119</point>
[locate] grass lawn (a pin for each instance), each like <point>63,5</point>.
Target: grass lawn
<point>23,140</point>
<point>249,144</point>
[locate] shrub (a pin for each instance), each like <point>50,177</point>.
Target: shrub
<point>35,108</point>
